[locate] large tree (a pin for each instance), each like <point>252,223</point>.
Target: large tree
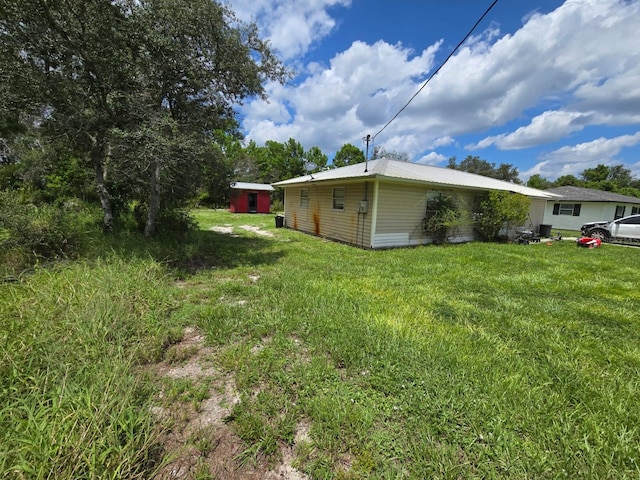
<point>277,161</point>
<point>348,155</point>
<point>538,181</point>
<point>169,72</point>
<point>567,181</point>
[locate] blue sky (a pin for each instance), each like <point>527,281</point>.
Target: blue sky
<point>550,86</point>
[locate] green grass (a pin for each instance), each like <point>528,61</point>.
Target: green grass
<point>466,361</point>
<point>71,405</point>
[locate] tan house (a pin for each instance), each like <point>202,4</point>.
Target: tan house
<point>383,203</point>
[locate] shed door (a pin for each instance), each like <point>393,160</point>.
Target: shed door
<point>253,202</point>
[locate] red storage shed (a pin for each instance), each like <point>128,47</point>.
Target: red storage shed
<point>250,198</point>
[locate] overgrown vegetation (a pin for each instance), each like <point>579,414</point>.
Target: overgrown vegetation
<point>72,405</point>
<point>443,216</point>
<point>30,233</point>
<point>470,361</point>
<point>135,90</point>
<point>501,211</point>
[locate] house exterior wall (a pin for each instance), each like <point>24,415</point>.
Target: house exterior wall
<point>320,218</point>
<point>401,209</point>
<point>395,213</point>
<point>537,212</point>
<point>589,212</point>
<point>238,202</point>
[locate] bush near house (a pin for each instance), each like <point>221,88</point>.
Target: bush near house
<point>502,210</point>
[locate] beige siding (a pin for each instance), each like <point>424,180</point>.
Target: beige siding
<point>401,209</point>
<point>320,218</point>
<point>536,212</point>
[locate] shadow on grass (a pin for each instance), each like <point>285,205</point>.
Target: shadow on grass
<point>193,251</point>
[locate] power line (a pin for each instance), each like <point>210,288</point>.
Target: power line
<point>438,69</point>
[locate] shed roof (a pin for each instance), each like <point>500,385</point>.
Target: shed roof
<point>252,186</point>
<point>578,194</point>
<point>385,168</point>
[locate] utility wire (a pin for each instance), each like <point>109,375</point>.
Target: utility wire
<point>438,69</point>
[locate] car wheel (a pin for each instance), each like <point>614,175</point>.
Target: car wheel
<point>603,235</point>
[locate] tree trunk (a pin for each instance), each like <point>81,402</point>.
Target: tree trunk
<point>154,199</point>
<point>97,159</point>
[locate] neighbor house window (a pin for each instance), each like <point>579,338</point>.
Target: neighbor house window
<point>338,198</point>
<point>619,212</point>
<point>304,197</point>
<point>635,210</point>
<point>567,209</point>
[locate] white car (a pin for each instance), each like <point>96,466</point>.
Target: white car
<point>625,229</point>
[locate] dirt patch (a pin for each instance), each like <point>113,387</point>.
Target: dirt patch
<point>256,230</point>
<point>197,442</point>
<point>226,229</point>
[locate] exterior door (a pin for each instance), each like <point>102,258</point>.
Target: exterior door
<point>253,202</point>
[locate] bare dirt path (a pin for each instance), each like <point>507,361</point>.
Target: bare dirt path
<point>197,442</point>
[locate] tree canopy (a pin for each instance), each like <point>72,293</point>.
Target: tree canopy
<point>475,164</point>
<point>138,88</point>
<point>348,155</point>
<point>615,178</point>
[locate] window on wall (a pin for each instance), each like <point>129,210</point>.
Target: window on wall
<point>635,210</point>
<point>619,212</point>
<point>572,209</point>
<point>304,197</point>
<point>338,198</point>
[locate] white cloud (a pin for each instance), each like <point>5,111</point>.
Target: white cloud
<point>432,158</point>
<point>547,127</point>
<point>442,141</point>
<point>291,27</point>
<point>343,102</point>
<point>570,160</point>
<point>579,63</point>
<point>579,46</point>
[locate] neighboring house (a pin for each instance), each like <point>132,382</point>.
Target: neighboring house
<point>577,206</point>
<point>250,198</point>
<point>382,203</point>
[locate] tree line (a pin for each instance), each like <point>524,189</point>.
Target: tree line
<point>615,178</point>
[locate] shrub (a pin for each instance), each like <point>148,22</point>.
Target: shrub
<point>501,210</point>
<point>277,205</point>
<point>30,233</point>
<point>443,216</point>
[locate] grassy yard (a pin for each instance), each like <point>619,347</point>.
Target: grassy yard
<point>465,361</point>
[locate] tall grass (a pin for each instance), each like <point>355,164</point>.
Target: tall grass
<point>71,405</point>
<point>469,361</point>
<point>466,361</point>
